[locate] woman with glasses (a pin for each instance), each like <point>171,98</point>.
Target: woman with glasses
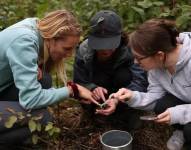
<point>166,55</point>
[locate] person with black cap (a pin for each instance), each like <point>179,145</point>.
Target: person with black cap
<point>103,61</point>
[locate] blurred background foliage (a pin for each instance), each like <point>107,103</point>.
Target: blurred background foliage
<point>133,12</point>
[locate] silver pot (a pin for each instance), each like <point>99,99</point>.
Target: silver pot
<point>116,140</point>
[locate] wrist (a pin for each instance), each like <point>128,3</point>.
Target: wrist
<point>115,101</point>
<point>74,89</point>
<point>71,93</point>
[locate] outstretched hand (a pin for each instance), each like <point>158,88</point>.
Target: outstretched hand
<point>164,117</point>
<point>122,95</point>
<point>86,95</point>
<point>111,105</point>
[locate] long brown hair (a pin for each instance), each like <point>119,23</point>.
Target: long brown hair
<point>154,35</point>
<point>57,24</point>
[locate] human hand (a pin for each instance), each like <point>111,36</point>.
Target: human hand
<point>111,105</point>
<point>86,95</point>
<point>122,94</point>
<point>164,117</point>
<point>99,93</point>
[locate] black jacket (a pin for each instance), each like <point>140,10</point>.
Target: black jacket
<point>84,67</point>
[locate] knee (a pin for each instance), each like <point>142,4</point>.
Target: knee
<point>46,116</point>
<point>187,132</point>
<point>160,106</point>
<point>165,102</point>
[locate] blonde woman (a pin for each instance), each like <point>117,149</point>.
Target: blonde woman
<point>29,50</point>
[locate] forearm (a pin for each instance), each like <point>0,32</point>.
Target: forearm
<point>180,114</point>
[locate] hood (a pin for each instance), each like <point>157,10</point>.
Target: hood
<point>185,52</point>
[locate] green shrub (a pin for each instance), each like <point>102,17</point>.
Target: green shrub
<point>133,12</point>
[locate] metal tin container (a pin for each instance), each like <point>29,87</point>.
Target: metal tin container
<point>116,140</point>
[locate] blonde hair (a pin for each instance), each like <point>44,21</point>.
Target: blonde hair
<point>58,24</point>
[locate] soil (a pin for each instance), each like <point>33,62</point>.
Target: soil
<point>81,131</point>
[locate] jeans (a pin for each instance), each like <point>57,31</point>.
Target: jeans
<point>170,101</point>
<point>9,99</point>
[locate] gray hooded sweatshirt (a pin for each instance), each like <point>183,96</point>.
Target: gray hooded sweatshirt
<point>178,84</point>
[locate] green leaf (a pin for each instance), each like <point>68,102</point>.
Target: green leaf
<point>20,115</point>
<point>34,139</point>
<point>10,121</point>
<point>165,14</point>
<point>37,117</point>
<point>140,11</point>
<point>39,127</point>
<point>49,126</point>
<point>145,4</point>
<point>183,20</point>
<point>32,125</point>
<point>51,131</point>
<point>158,3</point>
<point>54,130</point>
<point>57,130</point>
<point>185,8</point>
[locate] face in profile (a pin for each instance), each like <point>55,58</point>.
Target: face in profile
<point>148,62</point>
<point>62,47</point>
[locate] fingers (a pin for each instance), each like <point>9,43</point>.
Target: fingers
<point>163,120</point>
<point>99,93</point>
<point>86,95</point>
<point>122,95</point>
<point>123,98</point>
<point>105,91</point>
<point>163,117</point>
<point>105,111</point>
<point>102,96</point>
<point>111,106</point>
<point>120,92</point>
<point>94,101</point>
<point>112,95</point>
<point>95,96</point>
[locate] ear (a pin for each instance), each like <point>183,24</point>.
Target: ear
<point>160,55</point>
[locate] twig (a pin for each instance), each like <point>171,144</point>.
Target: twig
<point>86,147</point>
<point>47,142</point>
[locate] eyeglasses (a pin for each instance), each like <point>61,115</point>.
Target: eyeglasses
<point>141,58</point>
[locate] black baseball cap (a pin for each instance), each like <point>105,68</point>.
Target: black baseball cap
<point>105,30</point>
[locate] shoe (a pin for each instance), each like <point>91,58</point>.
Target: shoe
<point>176,141</point>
